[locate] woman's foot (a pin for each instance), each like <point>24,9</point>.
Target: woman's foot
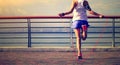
<point>84,32</point>
<point>79,57</point>
<point>84,35</point>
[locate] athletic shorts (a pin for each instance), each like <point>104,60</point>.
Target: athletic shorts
<point>78,24</point>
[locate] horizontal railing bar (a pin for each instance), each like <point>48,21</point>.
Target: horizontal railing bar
<point>63,42</point>
<point>117,27</point>
<point>70,27</point>
<point>66,32</point>
<point>73,32</point>
<point>13,37</point>
<point>54,37</point>
<point>101,32</point>
<point>50,27</point>
<point>34,32</point>
<point>50,37</point>
<point>11,22</point>
<point>100,22</point>
<point>59,22</point>
<point>117,32</point>
<point>69,37</point>
<point>13,32</point>
<point>63,22</point>
<point>48,43</point>
<point>96,43</point>
<point>57,27</point>
<point>117,21</point>
<point>117,37</point>
<point>50,17</point>
<point>51,32</point>
<point>11,43</point>
<point>11,27</point>
<point>96,37</point>
<point>100,27</point>
<point>52,22</point>
<point>117,43</point>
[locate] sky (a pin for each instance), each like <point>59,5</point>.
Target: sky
<point>53,7</point>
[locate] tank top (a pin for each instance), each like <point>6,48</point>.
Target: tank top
<point>79,12</point>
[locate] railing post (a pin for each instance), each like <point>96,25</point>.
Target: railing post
<point>29,32</point>
<point>71,36</point>
<point>113,33</point>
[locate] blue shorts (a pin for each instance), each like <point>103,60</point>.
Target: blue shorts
<point>78,24</point>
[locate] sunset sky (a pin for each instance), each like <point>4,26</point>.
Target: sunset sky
<point>53,7</point>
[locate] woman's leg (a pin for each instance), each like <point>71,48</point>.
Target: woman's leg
<point>84,32</point>
<point>78,41</point>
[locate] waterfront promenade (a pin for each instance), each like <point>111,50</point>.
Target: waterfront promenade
<point>58,57</point>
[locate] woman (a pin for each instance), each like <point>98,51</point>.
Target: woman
<point>79,19</point>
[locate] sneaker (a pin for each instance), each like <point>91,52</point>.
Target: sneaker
<point>84,35</point>
<point>79,57</point>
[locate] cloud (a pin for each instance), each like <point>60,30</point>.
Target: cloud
<point>24,2</point>
<point>12,12</point>
<point>107,7</point>
<point>20,7</point>
<point>52,7</point>
<point>31,7</point>
<point>11,2</point>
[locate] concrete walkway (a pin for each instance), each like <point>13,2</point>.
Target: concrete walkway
<point>58,58</point>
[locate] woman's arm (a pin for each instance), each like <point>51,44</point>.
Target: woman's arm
<point>96,14</point>
<point>87,7</point>
<point>73,5</point>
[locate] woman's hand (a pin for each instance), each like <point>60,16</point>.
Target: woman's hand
<point>101,16</point>
<point>61,14</point>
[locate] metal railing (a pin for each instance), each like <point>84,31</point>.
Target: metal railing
<point>48,30</point>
